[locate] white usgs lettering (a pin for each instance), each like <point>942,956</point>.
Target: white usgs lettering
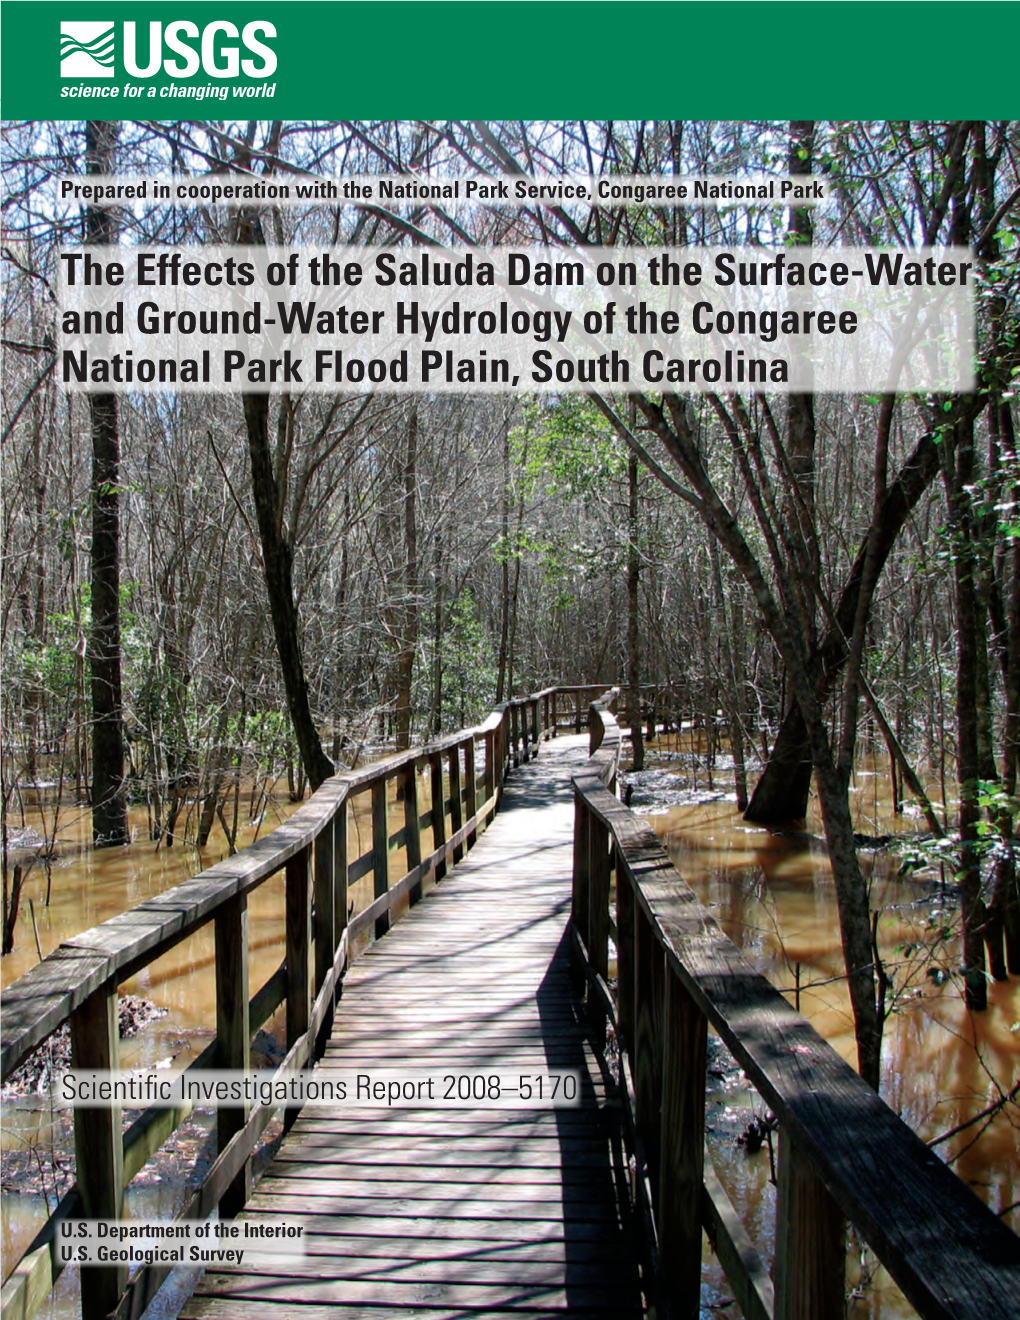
<point>216,59</point>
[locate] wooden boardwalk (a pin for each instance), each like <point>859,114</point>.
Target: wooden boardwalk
<point>470,1212</point>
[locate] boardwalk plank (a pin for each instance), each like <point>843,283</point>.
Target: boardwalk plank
<point>469,1211</point>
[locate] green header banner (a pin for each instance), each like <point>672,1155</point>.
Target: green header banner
<point>176,59</point>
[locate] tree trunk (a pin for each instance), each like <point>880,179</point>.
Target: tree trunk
<point>408,613</point>
<point>781,794</point>
<point>277,565</point>
<point>504,618</point>
<point>1005,903</point>
<point>277,553</point>
<point>788,629</point>
<point>801,407</point>
<point>733,700</point>
<point>11,904</point>
<point>109,799</point>
<point>968,762</point>
<point>854,913</point>
<point>637,741</point>
<point>436,720</point>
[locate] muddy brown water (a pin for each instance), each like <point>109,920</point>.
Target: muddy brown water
<point>773,894</point>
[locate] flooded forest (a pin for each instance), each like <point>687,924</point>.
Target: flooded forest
<point>810,605</point>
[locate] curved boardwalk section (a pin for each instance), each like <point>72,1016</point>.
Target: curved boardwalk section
<point>465,1212</point>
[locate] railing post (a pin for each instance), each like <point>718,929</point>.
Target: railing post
<point>456,801</point>
<point>98,1145</point>
<point>412,824</point>
<point>340,874</point>
<point>324,927</point>
<point>682,1166</point>
<point>508,739</point>
<point>380,852</point>
<point>649,975</point>
<point>580,897</point>
<point>233,1033</point>
<point>536,732</point>
<point>810,1242</point>
<point>514,750</point>
<point>625,952</point>
<point>577,712</point>
<point>554,716</point>
<point>470,788</point>
<point>438,810</point>
<point>490,763</point>
<point>597,938</point>
<point>298,906</point>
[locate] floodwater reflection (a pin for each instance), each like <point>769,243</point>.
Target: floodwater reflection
<point>942,1065</point>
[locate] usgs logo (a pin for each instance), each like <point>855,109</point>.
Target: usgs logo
<point>179,50</point>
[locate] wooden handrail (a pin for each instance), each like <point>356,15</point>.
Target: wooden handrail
<point>77,983</point>
<point>843,1153</point>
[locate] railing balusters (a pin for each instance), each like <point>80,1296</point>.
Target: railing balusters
<point>233,1033</point>
<point>98,1144</point>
